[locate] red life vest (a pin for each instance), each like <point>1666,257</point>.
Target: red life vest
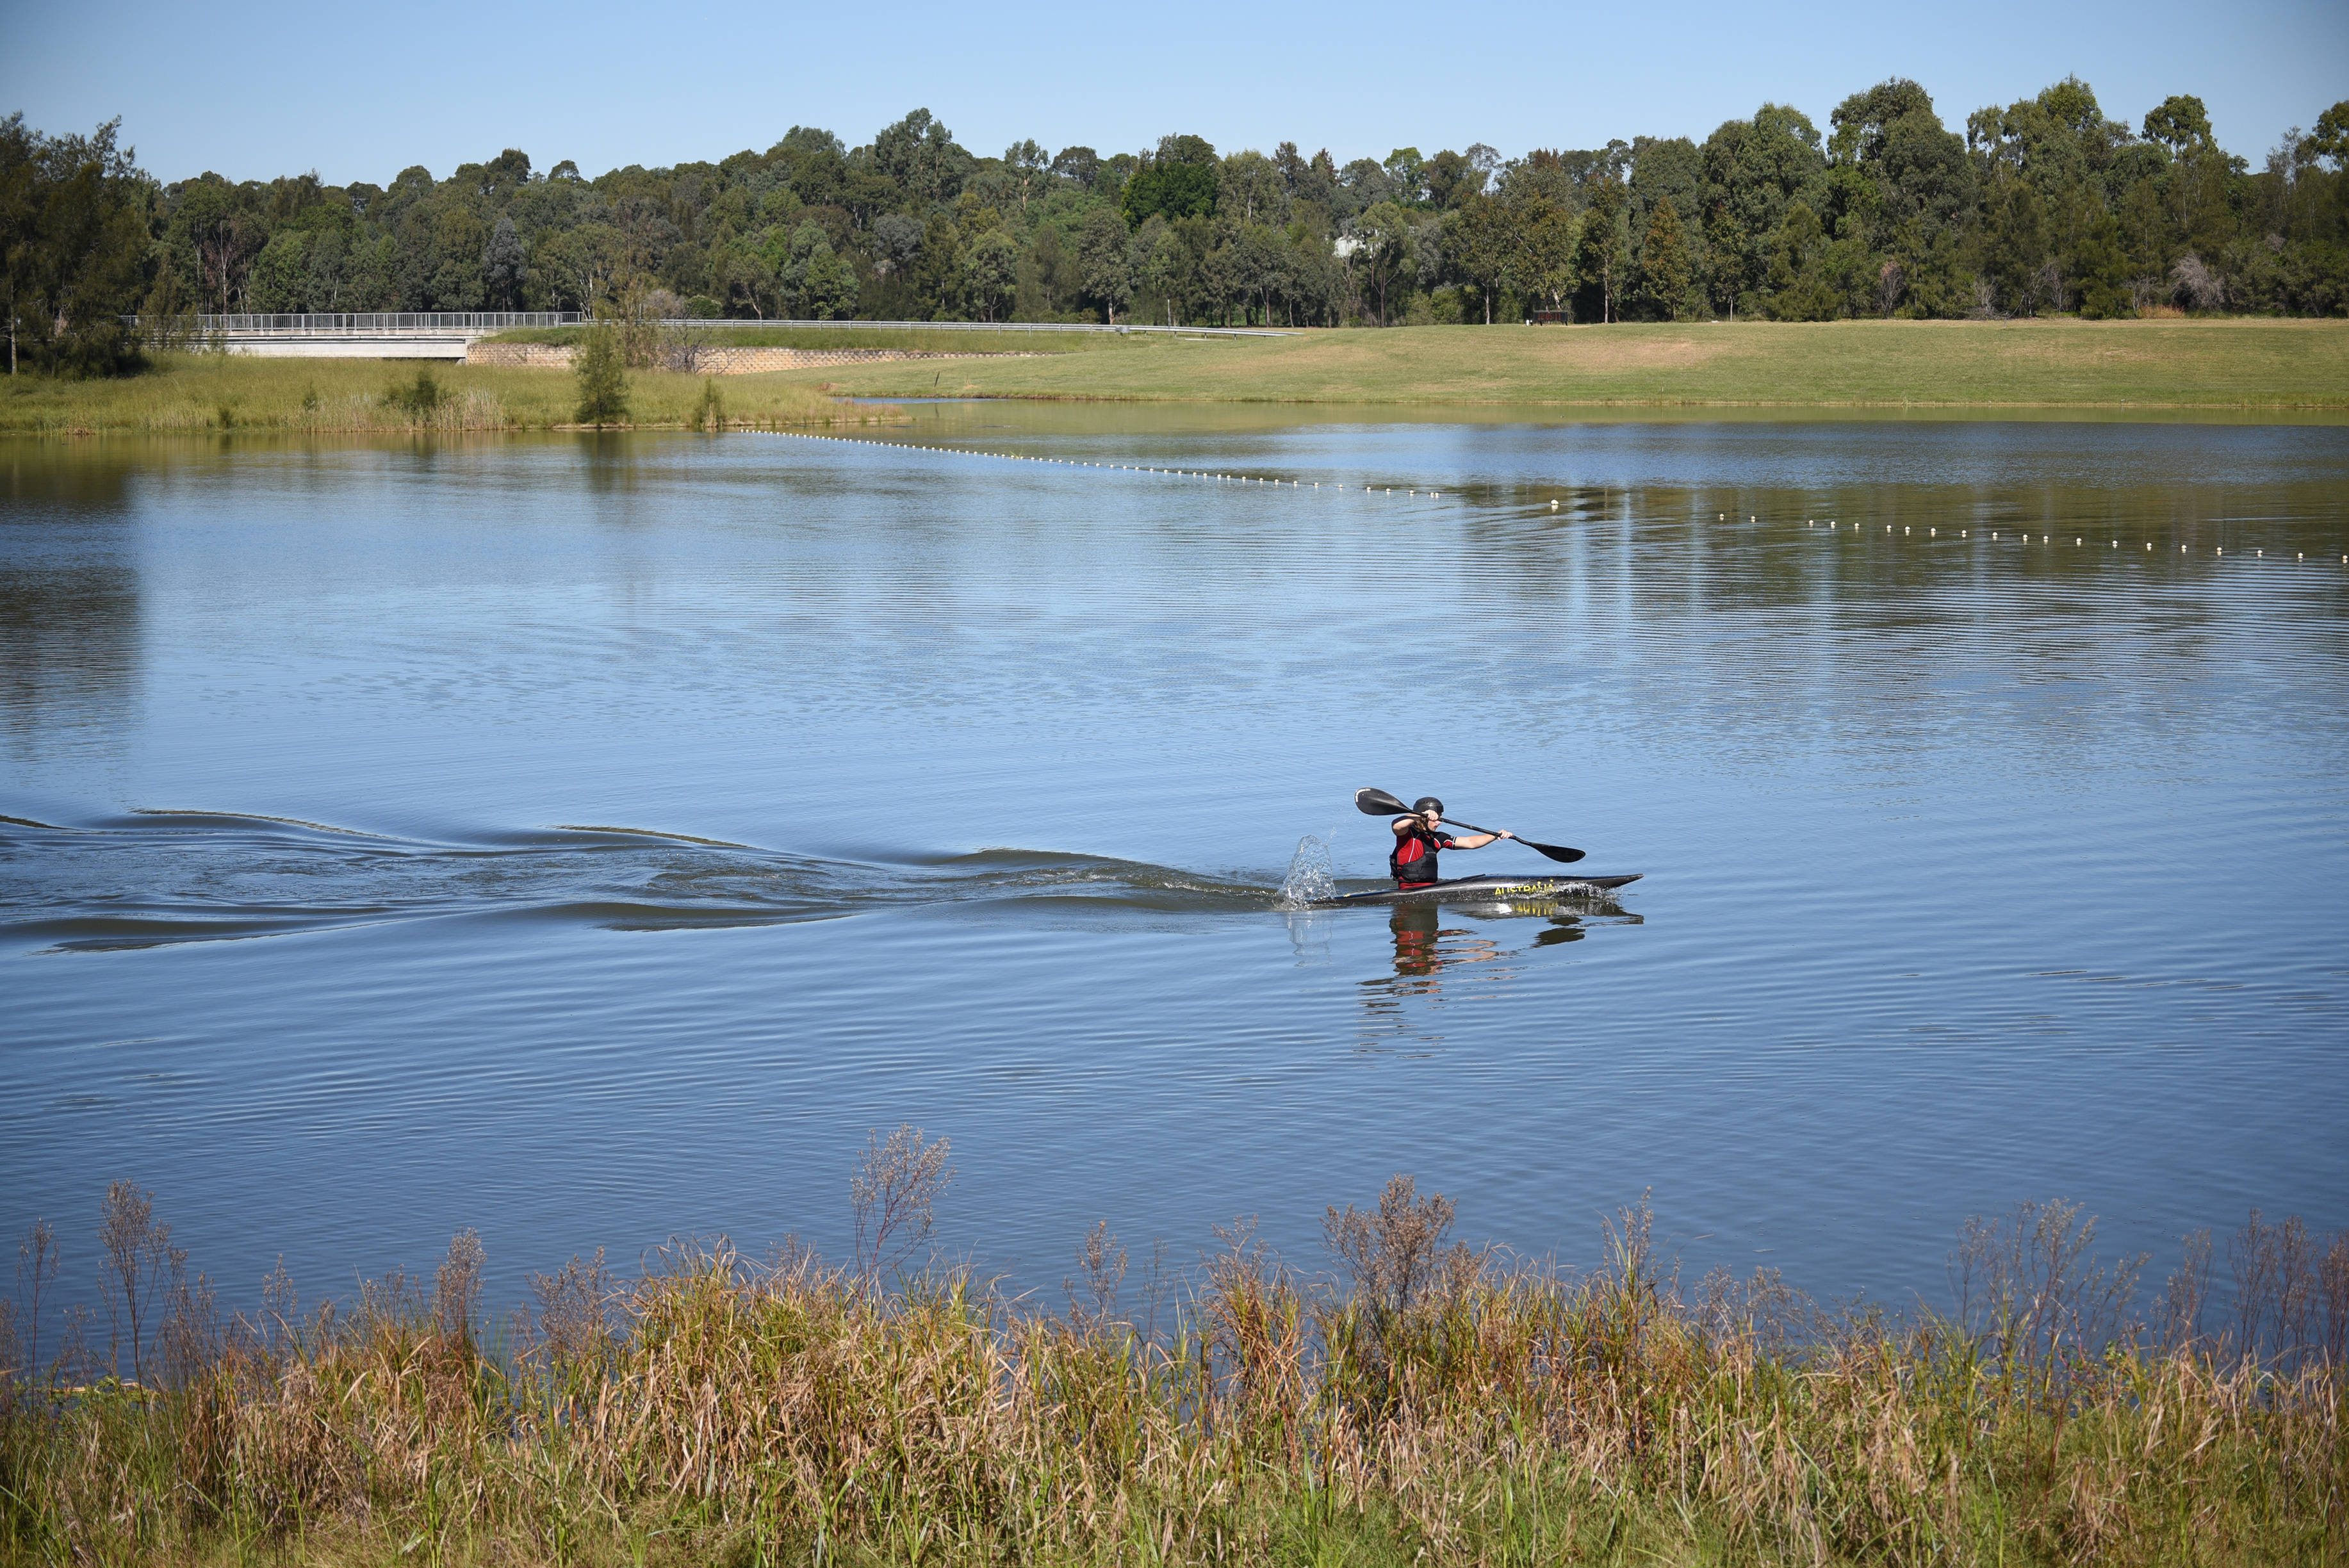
<point>1412,863</point>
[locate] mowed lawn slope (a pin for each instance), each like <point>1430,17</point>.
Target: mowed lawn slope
<point>2172,363</point>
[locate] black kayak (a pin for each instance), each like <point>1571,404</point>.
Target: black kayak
<point>1463,889</point>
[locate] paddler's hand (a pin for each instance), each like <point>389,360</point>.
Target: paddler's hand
<point>1502,833</point>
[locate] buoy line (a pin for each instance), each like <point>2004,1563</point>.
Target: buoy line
<point>1834,525</point>
<point>1997,537</point>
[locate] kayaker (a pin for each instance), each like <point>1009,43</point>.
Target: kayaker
<point>1417,840</point>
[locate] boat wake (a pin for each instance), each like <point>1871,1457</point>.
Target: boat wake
<point>154,877</point>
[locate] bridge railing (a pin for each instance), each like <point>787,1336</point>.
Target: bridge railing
<point>412,322</point>
<point>346,322</point>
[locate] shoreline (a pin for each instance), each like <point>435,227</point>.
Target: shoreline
<point>217,395</point>
<point>2110,372</point>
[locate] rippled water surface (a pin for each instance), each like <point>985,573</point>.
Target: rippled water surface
<point>589,841</point>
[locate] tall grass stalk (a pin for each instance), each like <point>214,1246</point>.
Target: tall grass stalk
<point>1492,1412</point>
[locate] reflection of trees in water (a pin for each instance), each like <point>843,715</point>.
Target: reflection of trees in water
<point>1654,603</point>
<point>69,647</point>
<point>69,631</point>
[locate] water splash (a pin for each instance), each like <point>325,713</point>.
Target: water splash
<point>1310,874</point>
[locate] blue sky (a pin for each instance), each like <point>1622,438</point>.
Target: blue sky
<point>360,93</point>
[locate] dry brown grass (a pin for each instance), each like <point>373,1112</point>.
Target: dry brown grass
<point>1444,1408</point>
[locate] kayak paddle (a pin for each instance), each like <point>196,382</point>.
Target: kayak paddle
<point>1379,803</point>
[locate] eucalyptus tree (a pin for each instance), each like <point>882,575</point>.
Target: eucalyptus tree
<point>1666,278</point>
<point>1104,272</point>
<point>75,243</point>
<point>1486,246</point>
<point>1381,236</point>
<point>1605,239</point>
<point>1755,167</point>
<point>991,272</point>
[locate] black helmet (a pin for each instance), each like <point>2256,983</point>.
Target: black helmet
<point>1427,803</point>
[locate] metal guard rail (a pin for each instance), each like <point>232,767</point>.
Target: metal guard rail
<point>350,324</point>
<point>344,323</point>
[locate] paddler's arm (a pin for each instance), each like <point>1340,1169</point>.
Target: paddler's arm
<point>1478,840</point>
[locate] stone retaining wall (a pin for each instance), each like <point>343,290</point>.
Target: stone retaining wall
<point>714,360</point>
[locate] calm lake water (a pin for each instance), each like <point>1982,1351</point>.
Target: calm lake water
<point>590,840</point>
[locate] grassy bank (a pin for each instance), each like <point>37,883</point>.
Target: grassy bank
<point>1423,1405</point>
<point>2164,365</point>
<point>2184,363</point>
<point>216,392</point>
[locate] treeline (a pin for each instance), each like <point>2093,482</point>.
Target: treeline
<point>2046,205</point>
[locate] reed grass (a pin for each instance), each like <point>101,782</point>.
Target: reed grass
<point>216,393</point>
<point>1442,1406</point>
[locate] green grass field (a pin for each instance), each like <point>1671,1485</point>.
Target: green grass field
<point>215,392</point>
<point>2161,364</point>
<point>2153,367</point>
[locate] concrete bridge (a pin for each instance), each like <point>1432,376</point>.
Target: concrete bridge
<point>445,335</point>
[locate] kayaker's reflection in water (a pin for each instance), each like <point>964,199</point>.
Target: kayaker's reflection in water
<point>1414,929</point>
<point>1419,950</point>
<point>1425,947</point>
